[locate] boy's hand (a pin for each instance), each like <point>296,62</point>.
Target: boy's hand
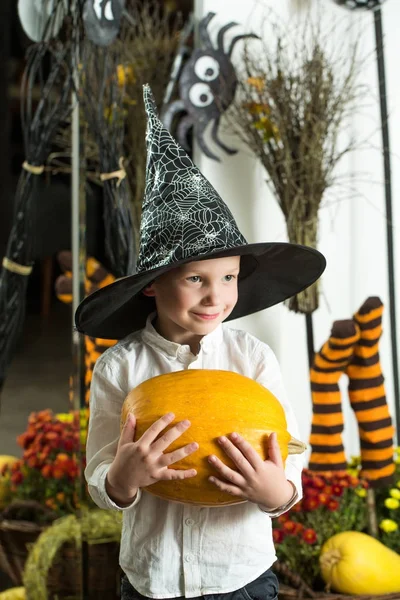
<point>261,482</point>
<point>141,463</point>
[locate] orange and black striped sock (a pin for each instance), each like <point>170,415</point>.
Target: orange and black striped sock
<point>368,397</point>
<point>327,422</point>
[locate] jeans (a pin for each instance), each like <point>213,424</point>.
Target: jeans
<point>265,587</point>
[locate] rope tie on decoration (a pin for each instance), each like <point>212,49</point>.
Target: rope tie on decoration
<point>120,174</point>
<point>14,267</point>
<point>34,169</point>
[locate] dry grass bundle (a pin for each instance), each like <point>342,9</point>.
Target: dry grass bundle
<point>149,40</point>
<point>294,98</point>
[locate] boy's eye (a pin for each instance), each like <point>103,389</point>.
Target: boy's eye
<point>194,278</point>
<point>229,277</point>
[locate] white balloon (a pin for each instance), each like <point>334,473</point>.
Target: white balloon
<point>34,16</point>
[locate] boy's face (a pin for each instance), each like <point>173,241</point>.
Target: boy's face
<point>192,300</point>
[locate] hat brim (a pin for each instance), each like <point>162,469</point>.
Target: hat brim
<point>269,274</point>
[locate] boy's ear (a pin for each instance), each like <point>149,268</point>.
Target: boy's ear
<point>149,291</point>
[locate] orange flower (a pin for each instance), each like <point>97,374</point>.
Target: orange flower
<point>332,505</point>
<point>50,503</point>
<point>17,477</point>
<point>283,518</point>
<point>289,527</point>
<point>58,473</point>
<point>310,504</point>
<point>60,496</point>
<point>62,458</point>
<point>278,535</point>
<point>46,471</point>
<point>323,498</point>
<point>309,536</point>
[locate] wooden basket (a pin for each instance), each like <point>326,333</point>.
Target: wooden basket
<point>19,528</point>
<point>299,590</point>
<point>94,570</point>
<point>15,539</point>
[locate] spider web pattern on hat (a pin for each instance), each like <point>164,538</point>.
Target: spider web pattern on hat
<point>182,216</point>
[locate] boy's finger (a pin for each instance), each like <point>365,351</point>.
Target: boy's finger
<point>274,452</point>
<point>128,431</point>
<point>172,474</point>
<point>172,457</point>
<point>170,436</point>
<point>156,428</point>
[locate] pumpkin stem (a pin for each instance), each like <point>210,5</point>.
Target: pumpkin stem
<point>296,447</point>
<point>330,558</point>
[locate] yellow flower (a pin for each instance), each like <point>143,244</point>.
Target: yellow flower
<point>388,525</point>
<point>125,75</point>
<point>395,493</point>
<point>352,472</point>
<point>257,82</point>
<point>397,460</point>
<point>392,503</point>
<point>65,417</point>
<point>362,492</point>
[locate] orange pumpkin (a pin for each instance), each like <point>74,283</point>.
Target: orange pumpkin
<point>216,403</point>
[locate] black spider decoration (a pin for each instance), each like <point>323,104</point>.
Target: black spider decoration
<point>360,4</point>
<point>207,86</point>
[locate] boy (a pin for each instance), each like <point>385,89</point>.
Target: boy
<point>195,270</point>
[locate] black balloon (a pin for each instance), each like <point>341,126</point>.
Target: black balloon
<point>102,20</point>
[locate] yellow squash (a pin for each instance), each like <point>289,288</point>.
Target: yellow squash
<point>356,563</point>
<point>216,403</point>
<point>17,593</point>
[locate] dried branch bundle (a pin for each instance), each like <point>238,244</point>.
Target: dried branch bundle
<point>149,41</point>
<point>294,98</point>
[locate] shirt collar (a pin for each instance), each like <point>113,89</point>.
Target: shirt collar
<point>151,337</point>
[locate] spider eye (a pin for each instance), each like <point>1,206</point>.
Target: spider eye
<point>207,68</point>
<point>200,95</point>
<point>108,11</point>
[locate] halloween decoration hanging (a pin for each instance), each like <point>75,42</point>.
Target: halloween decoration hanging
<point>101,19</point>
<point>39,124</point>
<point>103,86</point>
<point>207,86</point>
<point>42,19</point>
<point>360,4</point>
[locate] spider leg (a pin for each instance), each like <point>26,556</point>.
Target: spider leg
<point>241,37</point>
<point>203,33</point>
<point>221,33</point>
<point>214,136</point>
<point>182,131</point>
<point>199,133</point>
<point>170,111</point>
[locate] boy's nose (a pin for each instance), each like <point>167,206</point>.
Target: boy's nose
<point>212,297</point>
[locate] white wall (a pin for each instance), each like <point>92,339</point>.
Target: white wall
<point>352,228</point>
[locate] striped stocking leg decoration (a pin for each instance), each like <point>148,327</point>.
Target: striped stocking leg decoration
<point>327,422</point>
<point>368,397</point>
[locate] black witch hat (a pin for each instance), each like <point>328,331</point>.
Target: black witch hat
<point>183,220</point>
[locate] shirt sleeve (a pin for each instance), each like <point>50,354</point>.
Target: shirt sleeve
<point>268,373</point>
<point>106,399</point>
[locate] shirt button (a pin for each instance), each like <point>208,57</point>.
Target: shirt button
<point>189,522</point>
<point>189,558</point>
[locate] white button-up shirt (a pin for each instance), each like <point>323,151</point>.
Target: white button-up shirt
<point>170,549</point>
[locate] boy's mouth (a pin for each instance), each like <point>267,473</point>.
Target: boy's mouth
<point>206,317</point>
